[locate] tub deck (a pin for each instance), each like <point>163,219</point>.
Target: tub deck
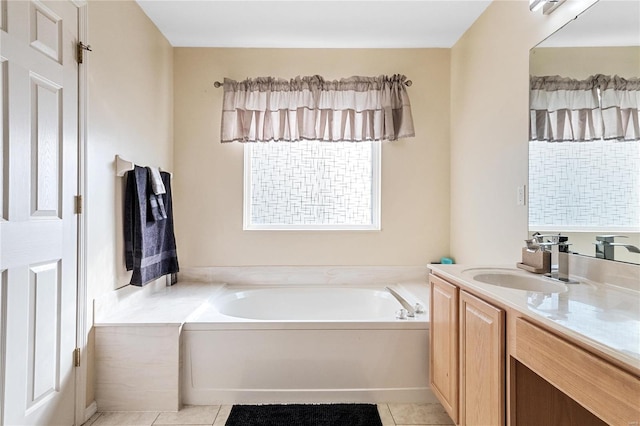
<point>159,347</point>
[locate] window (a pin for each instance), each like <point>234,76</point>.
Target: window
<point>311,185</point>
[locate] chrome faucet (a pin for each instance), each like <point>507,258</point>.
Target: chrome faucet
<point>411,312</point>
<point>559,248</point>
<point>605,246</point>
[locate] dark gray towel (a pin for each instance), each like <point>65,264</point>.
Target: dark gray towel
<point>150,245</point>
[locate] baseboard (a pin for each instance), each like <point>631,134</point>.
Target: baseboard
<point>309,396</point>
<point>90,411</point>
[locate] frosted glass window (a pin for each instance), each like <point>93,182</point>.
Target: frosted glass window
<point>584,186</point>
<point>312,185</point>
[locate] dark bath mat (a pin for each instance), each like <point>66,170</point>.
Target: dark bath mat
<point>304,415</point>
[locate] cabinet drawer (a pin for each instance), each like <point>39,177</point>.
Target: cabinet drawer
<point>608,392</point>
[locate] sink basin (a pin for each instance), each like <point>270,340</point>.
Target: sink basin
<point>519,282</point>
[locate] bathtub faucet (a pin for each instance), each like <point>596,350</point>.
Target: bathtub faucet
<point>411,312</point>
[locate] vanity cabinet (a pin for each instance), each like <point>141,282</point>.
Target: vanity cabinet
<point>443,345</point>
<point>567,384</point>
<point>467,363</point>
<point>495,363</point>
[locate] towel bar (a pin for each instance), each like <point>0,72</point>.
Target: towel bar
<point>123,166</point>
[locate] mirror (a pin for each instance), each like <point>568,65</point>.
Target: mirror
<point>589,189</point>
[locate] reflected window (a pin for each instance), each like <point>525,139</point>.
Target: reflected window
<point>584,186</point>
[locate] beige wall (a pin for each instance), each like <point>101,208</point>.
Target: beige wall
<point>130,113</point>
<point>489,110</point>
<point>209,175</point>
<point>582,62</point>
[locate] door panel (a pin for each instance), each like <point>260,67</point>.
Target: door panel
<point>38,238</point>
<point>3,15</point>
<point>46,124</point>
<point>45,31</point>
<point>44,332</point>
<point>4,132</point>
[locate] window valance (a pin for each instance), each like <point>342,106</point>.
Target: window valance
<point>600,107</point>
<point>620,103</point>
<point>353,109</point>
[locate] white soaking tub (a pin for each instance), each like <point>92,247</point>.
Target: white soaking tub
<point>301,343</point>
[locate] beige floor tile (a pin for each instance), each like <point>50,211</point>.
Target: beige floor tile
<point>91,420</point>
<point>419,414</point>
<point>126,418</point>
<point>385,415</point>
<point>189,415</point>
<point>223,415</point>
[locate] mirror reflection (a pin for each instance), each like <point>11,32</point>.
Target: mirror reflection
<point>584,148</point>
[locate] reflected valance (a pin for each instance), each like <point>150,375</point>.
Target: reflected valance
<point>620,104</point>
<point>599,107</point>
<point>311,108</point>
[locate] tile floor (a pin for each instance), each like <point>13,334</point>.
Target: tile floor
<point>216,415</point>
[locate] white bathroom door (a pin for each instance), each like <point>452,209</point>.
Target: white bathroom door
<point>38,224</point>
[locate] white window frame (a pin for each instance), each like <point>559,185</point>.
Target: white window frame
<point>376,187</point>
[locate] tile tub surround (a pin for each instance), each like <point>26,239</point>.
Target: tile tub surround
<point>157,319</point>
<point>255,275</point>
<point>132,304</point>
<point>138,367</point>
<point>601,313</point>
<point>216,415</point>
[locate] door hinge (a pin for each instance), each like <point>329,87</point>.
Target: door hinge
<point>76,357</point>
<point>81,47</point>
<point>78,206</point>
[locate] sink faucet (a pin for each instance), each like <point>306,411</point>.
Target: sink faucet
<point>559,248</point>
<point>605,245</point>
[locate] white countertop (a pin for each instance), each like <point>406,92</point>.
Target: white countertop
<point>602,316</point>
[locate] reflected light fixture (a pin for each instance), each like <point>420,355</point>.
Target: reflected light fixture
<point>547,6</point>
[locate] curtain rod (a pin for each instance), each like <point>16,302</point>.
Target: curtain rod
<point>217,84</point>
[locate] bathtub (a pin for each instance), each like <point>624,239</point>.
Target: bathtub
<point>304,344</point>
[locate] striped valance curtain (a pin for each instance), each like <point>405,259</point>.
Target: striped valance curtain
<point>620,103</point>
<point>353,109</point>
<point>599,107</point>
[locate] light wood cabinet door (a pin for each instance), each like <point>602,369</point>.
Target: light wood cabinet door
<point>443,344</point>
<point>482,362</point>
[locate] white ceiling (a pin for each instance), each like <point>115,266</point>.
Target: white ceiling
<point>313,23</point>
<point>606,23</point>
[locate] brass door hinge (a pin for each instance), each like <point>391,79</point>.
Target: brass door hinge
<point>81,47</point>
<point>76,357</point>
<point>78,206</point>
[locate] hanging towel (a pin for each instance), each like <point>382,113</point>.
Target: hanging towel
<point>156,181</point>
<point>157,210</point>
<point>154,194</point>
<point>150,246</point>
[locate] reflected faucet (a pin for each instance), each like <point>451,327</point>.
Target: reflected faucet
<point>605,246</point>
